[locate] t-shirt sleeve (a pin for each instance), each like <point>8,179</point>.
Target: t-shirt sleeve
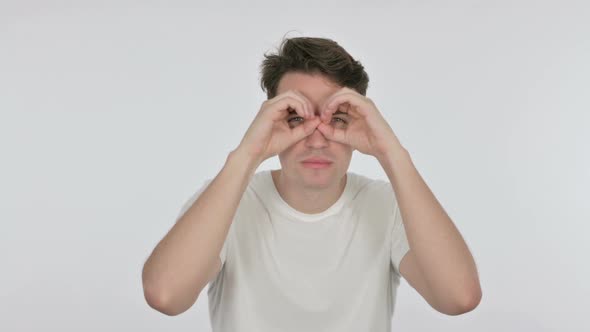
<point>399,240</point>
<point>191,200</point>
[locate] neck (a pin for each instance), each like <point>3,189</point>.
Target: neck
<point>305,199</point>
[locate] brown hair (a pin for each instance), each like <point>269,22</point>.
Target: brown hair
<point>313,56</point>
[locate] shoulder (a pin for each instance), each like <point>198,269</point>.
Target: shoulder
<point>371,187</point>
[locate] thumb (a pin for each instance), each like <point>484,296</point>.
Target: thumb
<point>326,130</point>
<point>306,129</point>
<point>333,134</point>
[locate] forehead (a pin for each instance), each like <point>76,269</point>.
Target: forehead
<point>315,87</point>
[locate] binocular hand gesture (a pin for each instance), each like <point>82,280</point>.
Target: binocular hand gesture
<point>271,131</point>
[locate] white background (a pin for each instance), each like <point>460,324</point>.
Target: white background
<point>114,112</point>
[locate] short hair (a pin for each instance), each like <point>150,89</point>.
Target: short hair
<point>312,55</point>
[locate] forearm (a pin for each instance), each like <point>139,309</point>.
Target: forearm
<point>179,267</point>
<point>441,253</point>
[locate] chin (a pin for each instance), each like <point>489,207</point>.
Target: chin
<point>318,178</point>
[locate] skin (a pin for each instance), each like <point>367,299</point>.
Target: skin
<point>439,264</point>
<point>306,189</point>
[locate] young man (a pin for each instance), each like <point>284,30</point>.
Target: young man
<point>312,246</point>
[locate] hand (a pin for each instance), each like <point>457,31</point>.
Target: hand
<point>270,133</point>
<point>366,130</point>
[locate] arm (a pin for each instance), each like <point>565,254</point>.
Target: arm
<point>439,265</point>
<point>188,256</point>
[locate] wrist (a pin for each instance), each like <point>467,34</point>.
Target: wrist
<point>393,153</point>
<point>244,158</point>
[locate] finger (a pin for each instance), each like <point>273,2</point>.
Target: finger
<point>297,95</point>
<point>333,134</point>
<point>330,99</point>
<point>308,104</point>
<point>305,129</point>
<point>358,105</point>
<point>282,106</point>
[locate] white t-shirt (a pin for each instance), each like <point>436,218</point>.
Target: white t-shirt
<point>284,270</point>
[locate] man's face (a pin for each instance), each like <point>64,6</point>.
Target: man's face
<point>317,89</point>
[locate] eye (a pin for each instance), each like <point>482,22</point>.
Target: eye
<point>333,119</point>
<point>295,117</point>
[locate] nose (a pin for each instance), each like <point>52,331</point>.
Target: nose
<point>316,140</point>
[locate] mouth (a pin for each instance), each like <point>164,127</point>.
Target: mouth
<point>316,164</point>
